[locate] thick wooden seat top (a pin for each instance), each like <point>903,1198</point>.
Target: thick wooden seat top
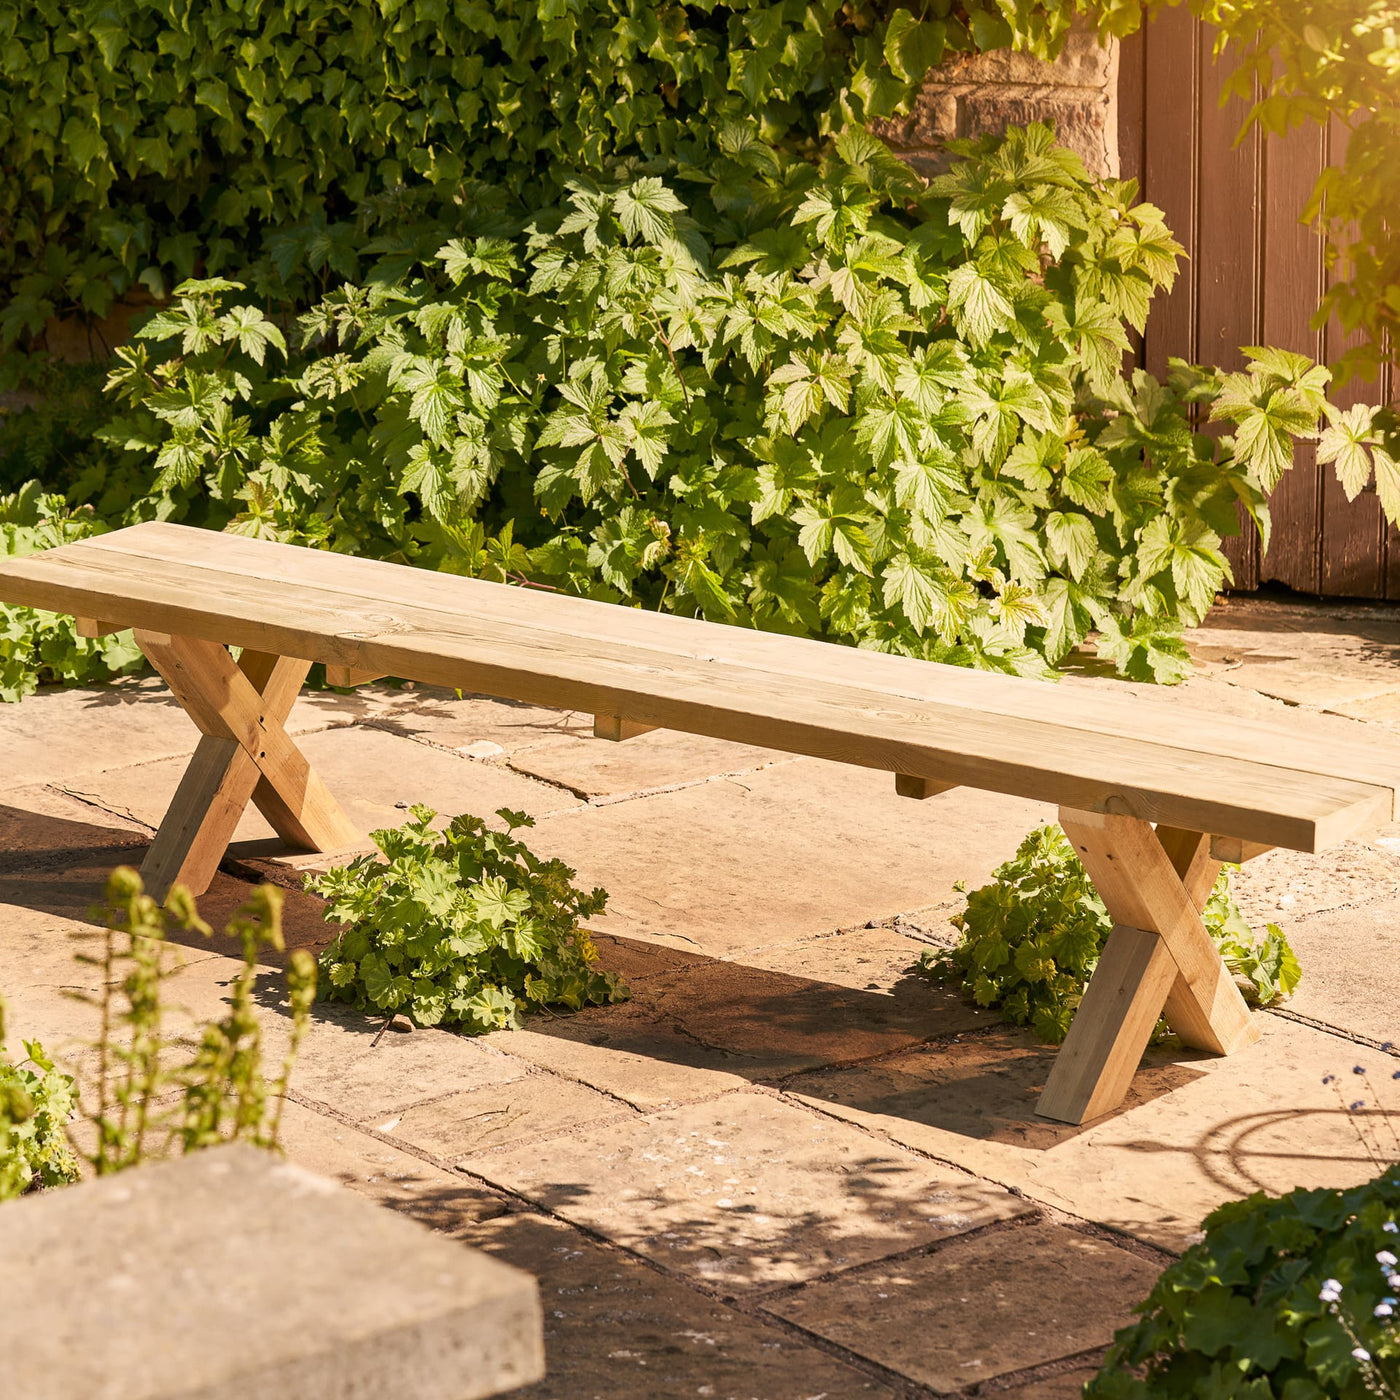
<point>1152,759</point>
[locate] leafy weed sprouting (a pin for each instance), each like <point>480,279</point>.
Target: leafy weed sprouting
<point>463,928</point>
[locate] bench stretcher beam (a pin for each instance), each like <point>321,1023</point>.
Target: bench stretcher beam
<point>244,754</point>
<point>1158,960</point>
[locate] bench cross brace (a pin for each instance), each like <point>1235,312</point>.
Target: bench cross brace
<point>1158,960</point>
<point>244,753</point>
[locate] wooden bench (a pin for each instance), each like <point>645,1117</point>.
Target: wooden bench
<point>1216,788</point>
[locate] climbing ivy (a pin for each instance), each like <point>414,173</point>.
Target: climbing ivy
<point>142,140</point>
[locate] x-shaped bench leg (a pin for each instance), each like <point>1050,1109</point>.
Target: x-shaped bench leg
<point>244,752</point>
<point>1158,958</point>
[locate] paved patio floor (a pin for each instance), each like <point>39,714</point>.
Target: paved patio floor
<point>787,1168</point>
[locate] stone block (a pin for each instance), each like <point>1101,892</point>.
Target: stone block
<point>974,1309</point>
<point>747,1191</point>
<point>1082,63</point>
<point>232,1274</point>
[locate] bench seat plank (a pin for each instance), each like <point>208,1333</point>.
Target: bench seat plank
<point>454,639</point>
<point>1131,716</point>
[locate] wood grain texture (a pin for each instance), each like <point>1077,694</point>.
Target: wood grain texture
<point>1095,1066</point>
<point>907,785</point>
<point>93,627</point>
<point>1292,283</point>
<point>1139,886</point>
<point>615,729</point>
<point>1069,746</point>
<point>244,753</point>
<point>347,677</point>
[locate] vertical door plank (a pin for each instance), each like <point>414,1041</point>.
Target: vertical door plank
<point>1171,118</point>
<point>1227,263</point>
<point>1292,286</point>
<point>1353,535</point>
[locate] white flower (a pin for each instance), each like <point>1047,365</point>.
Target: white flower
<point>1384,1310</point>
<point>1387,1258</point>
<point>1391,1228</point>
<point>1331,1290</point>
<point>1361,1354</point>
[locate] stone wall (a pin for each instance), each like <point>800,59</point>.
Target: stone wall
<point>973,94</point>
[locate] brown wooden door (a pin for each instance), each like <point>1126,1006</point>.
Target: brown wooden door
<point>1254,277</point>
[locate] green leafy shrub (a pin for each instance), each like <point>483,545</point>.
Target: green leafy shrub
<point>1278,1299</point>
<point>36,1102</point>
<point>1031,939</point>
<point>813,399</point>
<point>40,646</point>
<point>140,139</point>
<point>156,1094</point>
<point>462,928</point>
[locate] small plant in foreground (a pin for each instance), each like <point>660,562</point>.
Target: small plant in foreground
<point>144,1106</point>
<point>1294,1296</point>
<point>36,1101</point>
<point>1032,937</point>
<point>463,928</point>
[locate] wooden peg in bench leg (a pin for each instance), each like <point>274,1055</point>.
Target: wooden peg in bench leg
<point>92,627</point>
<point>907,785</point>
<point>347,677</point>
<point>615,729</point>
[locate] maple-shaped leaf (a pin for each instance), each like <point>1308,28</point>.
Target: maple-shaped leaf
<point>1344,443</point>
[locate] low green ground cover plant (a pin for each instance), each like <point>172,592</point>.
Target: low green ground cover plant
<point>40,646</point>
<point>462,928</point>
<point>1032,937</point>
<point>36,1102</point>
<point>1294,1296</point>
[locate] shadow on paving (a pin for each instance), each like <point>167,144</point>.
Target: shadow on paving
<point>55,865</point>
<point>976,1080</point>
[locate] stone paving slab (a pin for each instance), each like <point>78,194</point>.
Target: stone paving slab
<point>445,1201</point>
<point>341,1066</point>
<point>369,772</point>
<point>645,1065</point>
<point>788,852</point>
<point>42,828</point>
<point>746,1191</point>
<point>1194,1132</point>
<point>978,1308</point>
<point>478,725</point>
<point>1281,885</point>
<point>498,1114</point>
<point>599,769</point>
<point>69,732</point>
<point>713,1026</point>
<point>1348,957</point>
<point>615,1329</point>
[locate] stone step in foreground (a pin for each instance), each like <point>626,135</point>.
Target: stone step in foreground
<point>233,1275</point>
